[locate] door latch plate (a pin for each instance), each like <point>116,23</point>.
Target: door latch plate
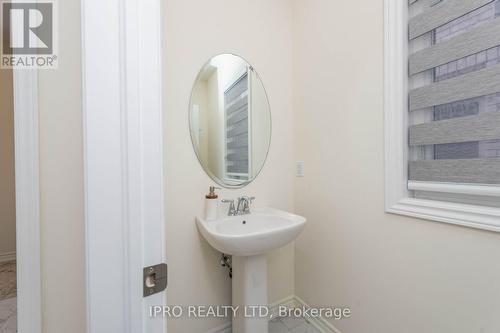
<point>155,279</point>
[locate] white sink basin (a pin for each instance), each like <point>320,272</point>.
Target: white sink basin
<point>248,238</point>
<point>248,235</point>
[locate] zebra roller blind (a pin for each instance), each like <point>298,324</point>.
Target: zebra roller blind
<point>454,91</point>
<point>237,134</point>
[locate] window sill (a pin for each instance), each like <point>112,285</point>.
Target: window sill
<point>472,216</point>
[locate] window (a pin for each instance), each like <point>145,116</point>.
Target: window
<point>443,110</point>
<point>237,162</point>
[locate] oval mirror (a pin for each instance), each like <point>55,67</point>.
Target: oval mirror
<point>230,120</point>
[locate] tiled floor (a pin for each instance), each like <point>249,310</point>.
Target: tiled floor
<point>7,280</point>
<point>8,300</point>
<point>8,315</point>
<point>291,325</point>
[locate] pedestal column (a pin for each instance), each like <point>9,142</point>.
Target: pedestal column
<point>249,289</point>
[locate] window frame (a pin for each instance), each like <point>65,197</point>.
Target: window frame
<point>398,199</point>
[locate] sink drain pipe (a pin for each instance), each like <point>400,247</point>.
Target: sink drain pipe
<point>225,261</point>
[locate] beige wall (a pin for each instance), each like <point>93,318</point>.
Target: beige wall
<point>63,274</point>
<point>397,274</point>
<point>7,165</point>
<point>191,37</point>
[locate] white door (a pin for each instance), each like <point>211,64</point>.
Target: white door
<point>123,162</point>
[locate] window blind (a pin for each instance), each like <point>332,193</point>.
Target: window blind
<point>454,91</point>
<point>237,134</point>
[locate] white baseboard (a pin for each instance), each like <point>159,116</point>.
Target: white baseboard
<point>320,324</point>
<point>8,256</point>
<point>292,301</point>
<point>289,302</point>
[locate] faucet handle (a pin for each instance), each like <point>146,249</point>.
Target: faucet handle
<point>249,200</point>
<point>232,208</point>
<point>229,201</point>
<point>246,198</point>
<point>246,201</point>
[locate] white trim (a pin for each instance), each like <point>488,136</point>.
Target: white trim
<point>397,197</point>
<point>395,101</point>
<point>29,289</point>
<point>287,301</point>
<point>459,214</point>
<point>320,323</point>
<point>123,161</point>
<point>8,256</point>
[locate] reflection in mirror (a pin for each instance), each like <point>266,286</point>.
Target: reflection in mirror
<point>230,120</point>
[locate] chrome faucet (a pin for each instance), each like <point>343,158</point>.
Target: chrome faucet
<point>232,210</point>
<point>242,208</point>
<point>244,205</point>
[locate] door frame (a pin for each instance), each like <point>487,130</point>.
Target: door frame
<point>123,162</point>
<point>28,249</point>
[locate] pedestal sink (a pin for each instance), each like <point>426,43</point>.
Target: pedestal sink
<point>248,238</point>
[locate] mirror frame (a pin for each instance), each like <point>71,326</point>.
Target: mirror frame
<point>220,182</point>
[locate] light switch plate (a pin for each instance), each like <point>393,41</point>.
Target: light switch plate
<point>300,168</point>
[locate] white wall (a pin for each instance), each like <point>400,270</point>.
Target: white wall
<point>61,172</point>
<point>397,274</point>
<point>7,166</point>
<point>194,31</point>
